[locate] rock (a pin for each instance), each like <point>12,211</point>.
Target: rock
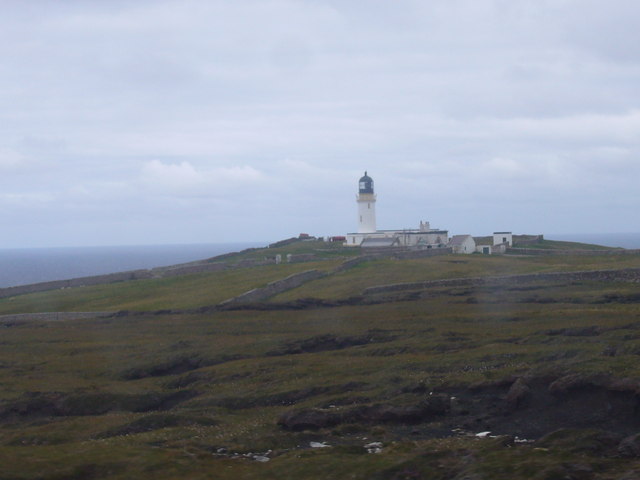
<point>504,440</point>
<point>374,447</point>
<point>591,331</point>
<point>630,446</point>
<point>438,404</point>
<point>625,385</point>
<point>517,394</point>
<point>579,468</point>
<point>634,475</point>
<point>390,414</point>
<point>319,445</point>
<point>315,419</point>
<point>584,441</point>
<point>373,444</point>
<point>579,380</point>
<point>308,420</point>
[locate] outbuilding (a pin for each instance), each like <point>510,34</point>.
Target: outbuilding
<point>462,244</point>
<point>500,238</point>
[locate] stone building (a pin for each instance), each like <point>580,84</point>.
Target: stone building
<point>500,238</point>
<point>462,244</point>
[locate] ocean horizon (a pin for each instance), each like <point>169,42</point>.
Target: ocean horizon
<point>23,266</point>
<point>630,240</point>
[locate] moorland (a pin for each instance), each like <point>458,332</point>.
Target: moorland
<point>472,369</point>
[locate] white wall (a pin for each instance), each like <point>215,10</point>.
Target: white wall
<point>366,213</point>
<point>503,237</point>
<point>468,246</point>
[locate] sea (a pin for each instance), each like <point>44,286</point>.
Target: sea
<point>22,266</point>
<point>622,240</point>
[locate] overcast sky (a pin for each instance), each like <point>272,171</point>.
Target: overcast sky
<point>197,121</point>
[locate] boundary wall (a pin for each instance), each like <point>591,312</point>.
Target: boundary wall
<point>273,288</point>
<point>624,275</point>
<point>159,272</point>
<point>52,316</point>
<point>542,251</point>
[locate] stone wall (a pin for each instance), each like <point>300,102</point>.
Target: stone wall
<point>159,272</point>
<point>527,239</point>
<point>51,316</point>
<point>300,257</point>
<point>273,288</point>
<point>187,269</point>
<point>352,262</point>
<point>543,251</point>
<point>427,252</point>
<point>75,282</point>
<point>625,275</point>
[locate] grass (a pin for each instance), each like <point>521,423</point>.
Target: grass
<point>188,291</point>
<point>319,248</point>
<point>562,245</point>
<point>237,372</point>
<point>389,271</point>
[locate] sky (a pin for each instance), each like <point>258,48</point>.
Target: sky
<point>199,121</point>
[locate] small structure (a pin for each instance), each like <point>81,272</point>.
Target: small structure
<point>462,244</point>
<point>503,237</point>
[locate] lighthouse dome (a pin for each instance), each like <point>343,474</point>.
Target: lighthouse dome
<point>365,184</point>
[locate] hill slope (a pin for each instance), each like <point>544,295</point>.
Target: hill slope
<point>413,376</point>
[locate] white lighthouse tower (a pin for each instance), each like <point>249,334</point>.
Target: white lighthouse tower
<point>366,205</point>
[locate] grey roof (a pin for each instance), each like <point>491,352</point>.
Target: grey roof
<point>416,232</point>
<point>457,240</point>
<point>378,242</point>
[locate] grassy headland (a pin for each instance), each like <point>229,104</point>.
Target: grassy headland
<point>244,393</point>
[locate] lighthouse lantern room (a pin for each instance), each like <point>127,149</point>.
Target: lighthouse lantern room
<point>366,205</point>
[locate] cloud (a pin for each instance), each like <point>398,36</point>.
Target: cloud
<point>11,160</point>
<point>507,168</point>
<point>621,127</point>
<point>31,199</point>
<point>185,180</point>
<point>163,111</point>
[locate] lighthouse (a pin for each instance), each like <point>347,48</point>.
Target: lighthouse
<point>369,237</point>
<point>366,205</point>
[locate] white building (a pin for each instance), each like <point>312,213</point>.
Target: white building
<point>368,237</point>
<point>503,237</point>
<point>462,244</point>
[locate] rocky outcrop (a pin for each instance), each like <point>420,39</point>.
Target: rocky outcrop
<point>517,394</point>
<point>329,342</point>
<point>630,446</point>
<point>55,404</point>
<point>313,419</point>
